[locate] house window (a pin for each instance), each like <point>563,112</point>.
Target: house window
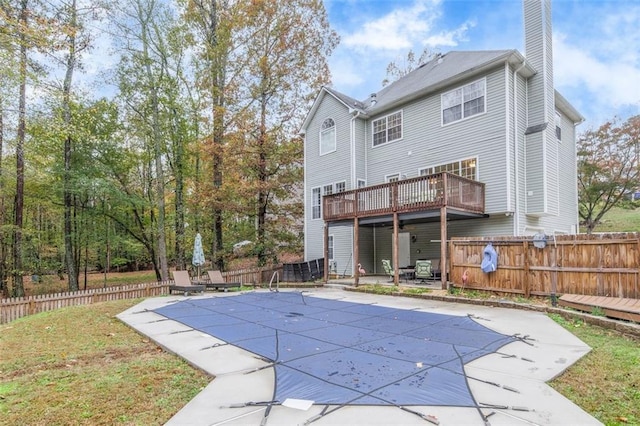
<point>468,168</point>
<point>316,203</point>
<point>330,247</point>
<point>392,178</point>
<point>362,183</point>
<point>465,168</point>
<point>387,129</point>
<point>327,189</point>
<point>341,186</point>
<point>558,126</point>
<point>463,102</point>
<point>328,136</point>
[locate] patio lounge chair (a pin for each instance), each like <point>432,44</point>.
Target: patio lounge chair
<point>182,282</point>
<point>217,281</point>
<point>423,270</point>
<point>388,270</point>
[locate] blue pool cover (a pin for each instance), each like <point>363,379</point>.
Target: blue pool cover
<point>337,352</point>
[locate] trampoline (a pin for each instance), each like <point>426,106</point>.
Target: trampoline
<point>339,353</point>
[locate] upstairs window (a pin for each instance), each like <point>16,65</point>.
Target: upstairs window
<point>463,102</point>
<point>387,129</point>
<point>558,126</point>
<point>316,203</point>
<point>465,168</point>
<point>328,136</point>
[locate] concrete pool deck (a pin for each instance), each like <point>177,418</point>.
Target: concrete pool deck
<point>518,393</point>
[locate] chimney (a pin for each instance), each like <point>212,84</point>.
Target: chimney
<point>541,145</point>
<point>539,53</point>
<point>373,99</point>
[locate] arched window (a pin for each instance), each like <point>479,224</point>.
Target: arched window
<point>328,136</point>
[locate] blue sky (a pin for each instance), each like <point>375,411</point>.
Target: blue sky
<point>596,44</point>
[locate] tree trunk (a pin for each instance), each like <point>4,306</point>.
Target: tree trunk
<point>18,285</point>
<point>262,185</point>
<point>69,231</point>
<point>4,289</point>
<point>157,148</point>
<point>181,263</point>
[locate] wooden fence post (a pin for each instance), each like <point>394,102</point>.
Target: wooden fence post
<point>525,283</point>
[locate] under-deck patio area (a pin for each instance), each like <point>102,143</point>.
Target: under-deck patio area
<point>439,197</point>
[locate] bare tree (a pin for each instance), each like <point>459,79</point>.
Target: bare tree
<point>396,70</point>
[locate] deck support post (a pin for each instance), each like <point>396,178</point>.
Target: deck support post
<point>326,252</point>
<point>396,275</point>
<point>356,250</point>
<point>443,246</point>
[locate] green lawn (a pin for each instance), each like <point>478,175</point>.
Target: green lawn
<point>82,366</point>
<point>620,220</point>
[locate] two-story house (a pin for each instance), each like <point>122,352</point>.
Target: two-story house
<point>472,143</point>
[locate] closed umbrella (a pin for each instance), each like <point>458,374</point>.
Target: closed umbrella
<point>198,253</point>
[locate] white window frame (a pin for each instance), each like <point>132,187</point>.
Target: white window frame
<point>386,119</point>
<point>331,248</point>
<point>394,177</point>
<point>431,169</point>
<point>316,209</point>
<point>558,129</point>
<point>337,190</point>
<point>460,96</point>
<point>361,183</point>
<point>327,130</point>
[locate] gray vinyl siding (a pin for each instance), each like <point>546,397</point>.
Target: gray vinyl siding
<point>535,171</point>
<point>326,169</point>
<point>538,51</point>
<point>521,181</point>
<point>567,191</point>
<point>426,142</point>
<point>367,249</point>
<point>361,151</point>
<point>342,243</point>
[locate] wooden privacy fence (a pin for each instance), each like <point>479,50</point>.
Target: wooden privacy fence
<point>252,275</point>
<point>18,307</point>
<point>596,265</point>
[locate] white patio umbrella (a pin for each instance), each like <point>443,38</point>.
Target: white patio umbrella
<point>198,253</point>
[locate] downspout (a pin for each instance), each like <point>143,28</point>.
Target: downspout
<point>304,192</point>
<point>507,136</point>
<point>516,138</point>
<point>354,180</point>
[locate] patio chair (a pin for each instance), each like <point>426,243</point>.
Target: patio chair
<point>423,270</point>
<point>436,269</point>
<point>388,270</point>
<point>216,280</point>
<point>182,282</point>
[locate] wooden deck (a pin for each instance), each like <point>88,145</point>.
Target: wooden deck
<point>421,193</point>
<point>614,307</point>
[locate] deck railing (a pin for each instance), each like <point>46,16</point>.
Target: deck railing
<point>428,192</point>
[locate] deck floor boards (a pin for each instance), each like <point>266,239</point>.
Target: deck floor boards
<point>614,307</point>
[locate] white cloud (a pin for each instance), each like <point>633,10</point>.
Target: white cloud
<point>367,48</point>
<point>449,38</point>
<point>599,69</point>
<point>398,29</point>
